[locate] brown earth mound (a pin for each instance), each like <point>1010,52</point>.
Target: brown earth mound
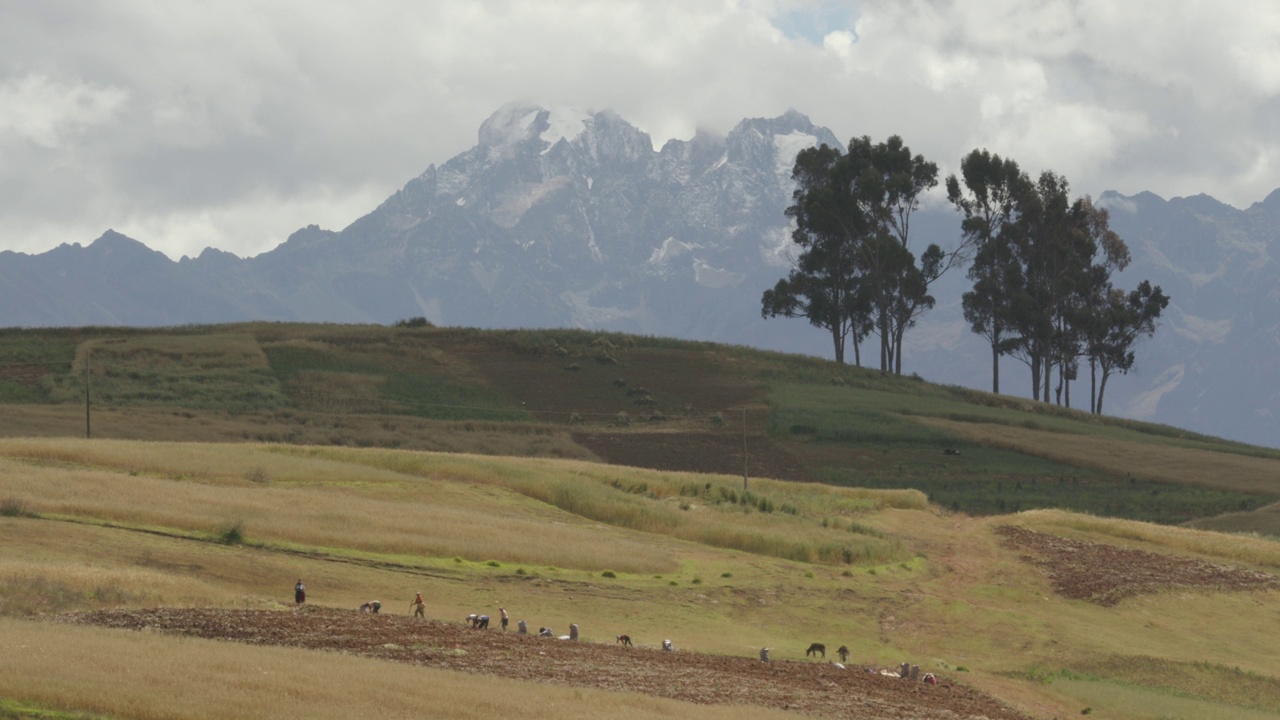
<point>814,688</point>
<point>1106,574</point>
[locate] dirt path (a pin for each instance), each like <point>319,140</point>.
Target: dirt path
<point>813,688</point>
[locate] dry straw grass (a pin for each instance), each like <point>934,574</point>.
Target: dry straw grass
<point>28,588</point>
<point>148,677</point>
<point>1157,462</point>
<point>1252,551</point>
<point>432,505</point>
<point>655,502</point>
<point>309,502</point>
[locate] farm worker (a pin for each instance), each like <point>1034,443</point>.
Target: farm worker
<point>505,619</point>
<point>373,606</point>
<point>299,593</point>
<point>419,607</point>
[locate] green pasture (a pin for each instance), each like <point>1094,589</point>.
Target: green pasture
<point>871,438</point>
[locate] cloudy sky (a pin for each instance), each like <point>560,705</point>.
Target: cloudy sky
<point>232,124</point>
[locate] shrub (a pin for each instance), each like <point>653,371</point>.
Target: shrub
<point>233,534</point>
<point>414,322</point>
<point>494,563</point>
<point>697,581</point>
<point>609,574</point>
<point>256,475</point>
<point>520,571</point>
<point>14,507</point>
<point>726,574</point>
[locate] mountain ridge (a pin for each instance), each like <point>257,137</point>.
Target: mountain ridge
<point>571,218</point>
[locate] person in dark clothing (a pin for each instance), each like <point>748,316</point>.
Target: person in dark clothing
<point>299,593</point>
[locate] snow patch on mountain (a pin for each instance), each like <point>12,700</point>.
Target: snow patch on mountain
<point>670,248</point>
<point>1144,405</point>
<point>585,315</point>
<point>508,124</point>
<point>777,249</point>
<point>1201,330</point>
<point>715,278</point>
<point>564,124</point>
<point>787,147</point>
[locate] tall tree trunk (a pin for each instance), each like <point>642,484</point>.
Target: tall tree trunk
<point>1093,385</point>
<point>857,349</point>
<point>884,342</point>
<point>837,339</point>
<point>1102,388</point>
<point>995,360</point>
<point>1048,369</point>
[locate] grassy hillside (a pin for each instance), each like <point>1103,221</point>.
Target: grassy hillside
<point>657,554</point>
<point>644,402</point>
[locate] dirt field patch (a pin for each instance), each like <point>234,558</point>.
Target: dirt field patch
<point>813,688</point>
<point>1106,574</point>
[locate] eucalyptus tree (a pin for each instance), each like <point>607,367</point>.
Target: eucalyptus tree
<point>989,203</point>
<point>826,285</point>
<point>853,215</point>
<point>1124,319</point>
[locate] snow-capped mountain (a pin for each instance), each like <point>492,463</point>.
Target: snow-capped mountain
<point>570,218</point>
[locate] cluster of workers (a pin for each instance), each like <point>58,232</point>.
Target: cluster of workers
<point>481,622</point>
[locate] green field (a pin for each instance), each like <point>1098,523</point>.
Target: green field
<point>550,392</point>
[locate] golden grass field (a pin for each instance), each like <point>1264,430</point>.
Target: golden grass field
<point>112,523</point>
<point>377,462</point>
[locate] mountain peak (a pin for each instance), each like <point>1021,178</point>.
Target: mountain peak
<point>518,122</point>
<point>112,241</point>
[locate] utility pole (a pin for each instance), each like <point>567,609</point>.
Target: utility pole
<point>87,375</point>
<point>744,449</point>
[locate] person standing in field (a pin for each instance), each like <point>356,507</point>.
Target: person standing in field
<point>505,619</point>
<point>419,607</point>
<point>299,593</point>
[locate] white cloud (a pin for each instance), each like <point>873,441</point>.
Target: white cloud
<point>232,123</point>
<point>46,112</point>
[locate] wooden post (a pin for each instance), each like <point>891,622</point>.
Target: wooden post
<point>87,375</point>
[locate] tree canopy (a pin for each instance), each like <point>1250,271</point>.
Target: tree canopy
<point>1041,264</point>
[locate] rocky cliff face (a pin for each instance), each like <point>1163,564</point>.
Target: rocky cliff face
<point>567,218</point>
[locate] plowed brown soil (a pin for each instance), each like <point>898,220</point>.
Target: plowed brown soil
<point>1106,574</point>
<point>813,688</point>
